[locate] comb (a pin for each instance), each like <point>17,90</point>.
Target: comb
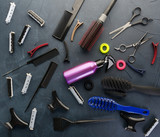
<point>110,105</point>
<point>11,41</point>
<point>67,20</point>
<point>45,81</point>
<point>37,18</point>
<point>38,60</point>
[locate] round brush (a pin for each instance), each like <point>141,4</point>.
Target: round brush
<point>121,86</point>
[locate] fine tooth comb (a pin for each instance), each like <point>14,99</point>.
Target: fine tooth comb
<point>61,123</point>
<point>10,12</point>
<point>37,18</point>
<point>110,105</point>
<point>11,41</point>
<point>121,86</point>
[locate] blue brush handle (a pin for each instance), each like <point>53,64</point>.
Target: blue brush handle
<point>135,110</point>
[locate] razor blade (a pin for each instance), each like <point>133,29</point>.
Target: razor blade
<point>35,17</point>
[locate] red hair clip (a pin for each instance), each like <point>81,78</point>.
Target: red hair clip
<point>36,48</point>
<point>155,52</point>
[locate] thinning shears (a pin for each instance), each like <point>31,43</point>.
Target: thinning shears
<point>122,48</point>
<point>136,12</point>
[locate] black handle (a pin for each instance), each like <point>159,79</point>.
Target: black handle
<point>147,90</point>
<point>108,9</point>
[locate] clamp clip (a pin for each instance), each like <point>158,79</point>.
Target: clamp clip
<point>155,51</point>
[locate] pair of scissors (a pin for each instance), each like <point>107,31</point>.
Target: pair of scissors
<point>122,48</point>
<point>136,12</point>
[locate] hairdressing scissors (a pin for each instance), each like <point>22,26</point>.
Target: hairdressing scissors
<point>136,12</point>
<point>123,48</point>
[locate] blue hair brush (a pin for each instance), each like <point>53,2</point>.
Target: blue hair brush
<point>110,105</point>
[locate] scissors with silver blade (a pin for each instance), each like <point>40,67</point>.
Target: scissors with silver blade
<point>123,48</point>
<point>136,12</point>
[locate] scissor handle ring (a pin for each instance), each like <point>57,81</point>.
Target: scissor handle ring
<point>136,11</point>
<point>131,59</point>
<point>144,21</point>
<point>122,48</point>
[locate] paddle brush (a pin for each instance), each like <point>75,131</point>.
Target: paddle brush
<point>61,123</point>
<point>120,87</point>
<point>110,105</point>
<point>95,30</point>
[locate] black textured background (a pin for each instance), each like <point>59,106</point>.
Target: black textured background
<point>51,11</point>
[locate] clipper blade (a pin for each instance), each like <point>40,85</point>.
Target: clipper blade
<point>11,41</point>
<point>37,18</point>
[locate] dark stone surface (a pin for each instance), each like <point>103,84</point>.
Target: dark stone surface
<point>51,11</point>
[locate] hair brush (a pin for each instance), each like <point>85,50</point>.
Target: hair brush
<point>119,87</point>
<point>110,105</point>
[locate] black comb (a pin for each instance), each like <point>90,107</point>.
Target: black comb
<point>38,60</point>
<point>67,20</point>
<point>121,86</point>
<point>47,77</point>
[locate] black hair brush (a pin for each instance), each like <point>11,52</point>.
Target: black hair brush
<point>119,87</point>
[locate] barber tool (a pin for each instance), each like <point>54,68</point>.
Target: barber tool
<point>37,18</point>
<point>110,105</point>
<point>122,48</point>
<point>76,94</point>
<point>75,28</point>
<point>95,30</point>
<point>61,123</point>
<point>67,20</point>
<point>86,69</point>
<point>24,34</point>
<point>135,13</point>
<point>10,12</point>
<point>38,60</point>
<point>26,83</point>
<point>56,103</point>
<point>121,64</point>
<point>104,48</point>
<point>36,48</point>
<point>155,46</point>
<point>11,41</point>
<point>10,86</point>
<point>152,127</point>
<point>45,81</point>
<point>66,59</point>
<point>15,121</point>
<point>122,86</point>
<point>88,85</point>
<point>139,71</point>
<point>131,121</point>
<point>32,119</point>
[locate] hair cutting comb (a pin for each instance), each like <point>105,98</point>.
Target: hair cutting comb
<point>119,87</point>
<point>110,105</point>
<point>95,30</point>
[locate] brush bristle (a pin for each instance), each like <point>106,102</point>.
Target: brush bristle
<point>91,35</point>
<point>116,84</point>
<point>102,103</point>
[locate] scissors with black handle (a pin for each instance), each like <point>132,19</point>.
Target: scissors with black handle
<point>122,48</point>
<point>136,12</point>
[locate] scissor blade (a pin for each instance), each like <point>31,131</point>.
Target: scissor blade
<point>144,41</point>
<point>116,30</point>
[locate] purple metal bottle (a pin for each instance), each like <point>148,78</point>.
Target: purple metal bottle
<point>84,70</point>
